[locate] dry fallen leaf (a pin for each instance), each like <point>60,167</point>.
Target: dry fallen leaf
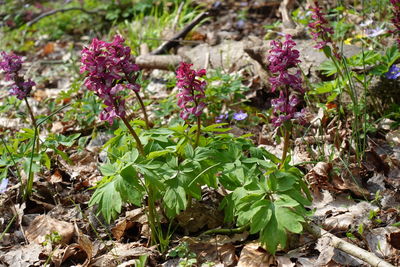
<point>22,256</point>
<point>44,225</point>
<point>253,255</point>
<point>341,213</point>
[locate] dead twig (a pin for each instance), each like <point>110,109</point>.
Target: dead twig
<point>174,40</point>
<point>61,10</point>
<point>348,248</point>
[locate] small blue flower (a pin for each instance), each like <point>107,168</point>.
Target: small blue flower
<point>240,116</point>
<point>221,117</point>
<point>393,73</point>
<point>3,185</point>
<point>375,32</point>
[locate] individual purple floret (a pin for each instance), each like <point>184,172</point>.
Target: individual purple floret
<point>321,30</point>
<point>191,90</point>
<point>393,73</point>
<point>240,116</point>
<point>110,70</point>
<point>283,62</point>
<point>11,64</point>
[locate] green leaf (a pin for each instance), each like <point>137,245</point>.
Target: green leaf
<point>128,192</point>
<point>189,152</point>
<point>108,200</point>
<point>46,159</point>
<point>262,215</point>
<point>175,200</point>
<point>391,55</point>
<point>108,169</point>
<point>216,128</point>
<point>288,219</point>
<point>159,153</point>
<point>272,182</point>
<point>328,68</point>
<point>272,235</point>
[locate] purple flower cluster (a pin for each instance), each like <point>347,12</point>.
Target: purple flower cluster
<point>11,64</point>
<point>283,61</point>
<point>191,90</point>
<point>396,18</point>
<point>321,30</point>
<point>393,73</point>
<point>110,70</point>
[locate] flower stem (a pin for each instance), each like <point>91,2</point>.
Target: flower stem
<point>34,123</point>
<point>142,106</point>
<point>285,144</point>
<point>196,142</point>
<point>135,136</point>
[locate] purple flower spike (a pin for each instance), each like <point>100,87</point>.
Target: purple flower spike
<point>191,90</point>
<point>321,30</point>
<point>240,116</point>
<point>283,62</point>
<point>11,64</point>
<point>110,70</point>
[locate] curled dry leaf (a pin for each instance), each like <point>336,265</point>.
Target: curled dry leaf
<point>44,225</point>
<point>133,219</point>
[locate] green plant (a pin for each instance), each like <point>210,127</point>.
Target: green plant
<point>150,23</point>
<point>182,251</point>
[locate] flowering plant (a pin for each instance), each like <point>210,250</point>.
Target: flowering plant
<point>190,94</point>
<point>11,65</point>
<point>283,60</point>
<point>322,31</point>
<point>110,70</point>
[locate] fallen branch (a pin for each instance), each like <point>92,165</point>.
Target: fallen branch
<point>61,10</point>
<point>174,41</point>
<point>164,62</point>
<point>348,248</point>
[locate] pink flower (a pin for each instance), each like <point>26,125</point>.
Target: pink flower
<point>191,90</point>
<point>321,30</point>
<point>283,62</point>
<point>11,65</point>
<point>110,70</point>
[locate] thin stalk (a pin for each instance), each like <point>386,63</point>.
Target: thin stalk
<point>196,142</point>
<point>285,144</point>
<point>34,123</point>
<point>29,183</point>
<point>135,136</point>
<point>143,107</point>
<point>7,227</point>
